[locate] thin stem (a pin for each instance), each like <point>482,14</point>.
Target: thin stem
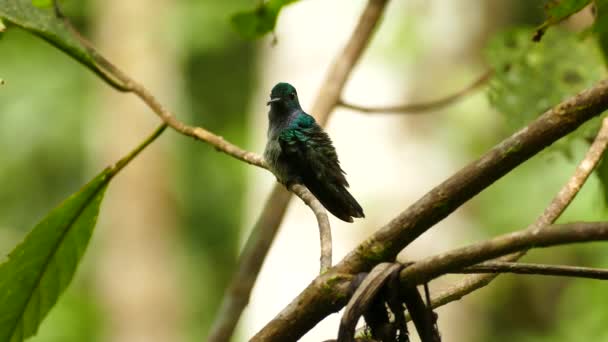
<point>119,165</point>
<point>414,108</point>
<point>323,222</point>
<point>536,269</point>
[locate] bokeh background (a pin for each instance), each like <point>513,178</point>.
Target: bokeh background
<point>172,223</point>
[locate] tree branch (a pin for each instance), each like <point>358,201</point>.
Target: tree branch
<point>414,108</point>
<point>322,220</point>
<point>339,72</point>
<point>437,204</point>
<point>536,269</point>
<point>430,268</point>
<point>557,206</point>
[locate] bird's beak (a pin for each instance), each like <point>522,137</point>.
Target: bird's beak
<point>274,99</point>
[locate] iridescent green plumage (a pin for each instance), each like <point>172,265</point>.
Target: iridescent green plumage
<point>299,151</point>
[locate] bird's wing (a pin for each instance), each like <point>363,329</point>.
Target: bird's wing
<point>305,144</point>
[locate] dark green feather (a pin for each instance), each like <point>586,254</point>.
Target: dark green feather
<point>309,149</point>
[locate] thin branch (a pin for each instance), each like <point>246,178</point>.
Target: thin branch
<point>116,168</point>
<point>339,72</point>
<point>130,85</point>
<point>536,269</point>
<point>429,268</point>
<point>414,108</point>
<point>312,304</point>
<point>323,221</point>
<point>565,196</point>
<point>557,206</point>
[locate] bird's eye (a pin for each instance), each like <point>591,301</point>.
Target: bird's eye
<point>292,96</point>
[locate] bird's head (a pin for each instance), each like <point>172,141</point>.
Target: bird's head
<point>284,95</point>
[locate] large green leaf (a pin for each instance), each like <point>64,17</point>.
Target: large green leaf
<point>532,77</point>
<point>558,10</point>
<point>260,20</point>
<point>45,24</point>
<point>41,267</point>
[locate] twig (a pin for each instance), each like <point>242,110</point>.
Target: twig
<point>414,108</point>
<point>536,269</point>
<point>339,72</point>
<point>312,304</point>
<point>433,267</point>
<point>557,206</point>
<point>130,85</point>
<point>324,104</point>
<point>120,164</point>
<point>322,220</point>
<point>565,196</point>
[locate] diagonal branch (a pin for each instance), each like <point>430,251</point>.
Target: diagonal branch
<point>415,108</point>
<point>557,206</point>
<point>311,305</point>
<point>536,269</point>
<point>260,239</point>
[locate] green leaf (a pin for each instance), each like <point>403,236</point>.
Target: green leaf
<point>43,23</point>
<point>42,3</point>
<point>530,78</point>
<point>40,268</point>
<point>558,10</point>
<point>259,21</point>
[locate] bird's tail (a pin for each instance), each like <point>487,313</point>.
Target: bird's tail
<point>337,200</point>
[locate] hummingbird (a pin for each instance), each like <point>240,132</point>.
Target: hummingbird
<point>298,151</point>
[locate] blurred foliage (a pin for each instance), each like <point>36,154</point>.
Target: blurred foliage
<point>211,182</point>
<point>530,77</point>
<point>558,10</point>
<point>219,73</point>
<point>260,20</point>
<point>42,3</point>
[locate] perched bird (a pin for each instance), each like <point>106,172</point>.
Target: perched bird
<point>299,151</point>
